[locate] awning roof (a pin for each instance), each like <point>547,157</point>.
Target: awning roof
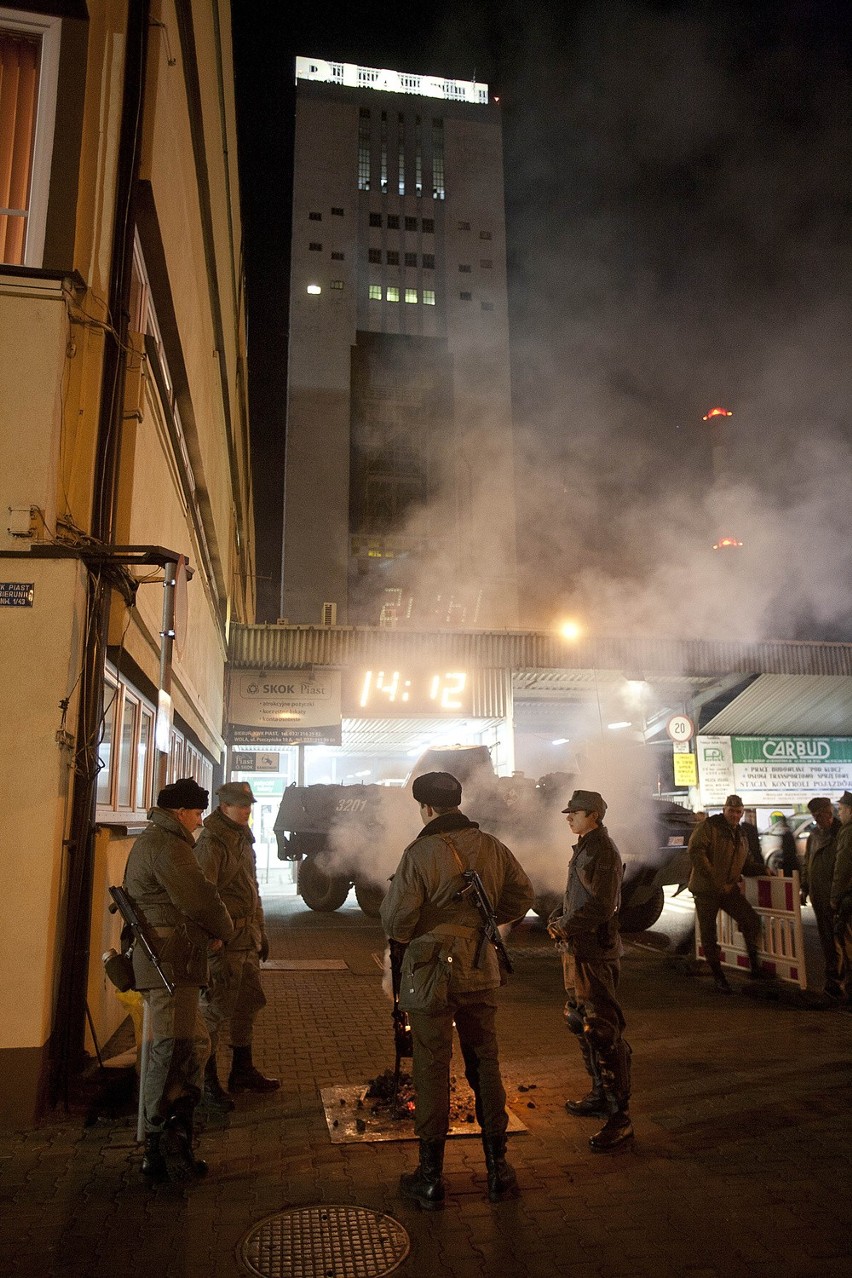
<point>796,705</point>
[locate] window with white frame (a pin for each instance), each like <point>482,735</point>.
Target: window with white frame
<point>29,68</point>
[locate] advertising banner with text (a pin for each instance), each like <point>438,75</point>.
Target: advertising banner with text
<point>773,770</point>
<point>285,707</point>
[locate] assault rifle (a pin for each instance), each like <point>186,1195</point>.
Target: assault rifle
<point>474,893</point>
<point>125,907</point>
<point>402,1041</point>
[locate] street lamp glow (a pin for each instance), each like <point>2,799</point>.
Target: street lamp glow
<point>571,630</point>
<point>622,723</point>
<point>314,289</point>
<point>560,741</point>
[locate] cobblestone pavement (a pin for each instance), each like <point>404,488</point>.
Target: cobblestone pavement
<point>741,1167</point>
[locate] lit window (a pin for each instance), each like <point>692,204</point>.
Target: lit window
<point>375,292</point>
<point>315,217</point>
<point>411,295</point>
<point>393,295</point>
<point>29,65</point>
<point>465,297</point>
<point>338,284</point>
<point>315,247</point>
<point>428,297</point>
<point>314,289</point>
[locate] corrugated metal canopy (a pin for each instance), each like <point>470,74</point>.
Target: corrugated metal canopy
<point>379,737</point>
<point>800,705</point>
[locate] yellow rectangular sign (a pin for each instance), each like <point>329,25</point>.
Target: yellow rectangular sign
<point>685,770</point>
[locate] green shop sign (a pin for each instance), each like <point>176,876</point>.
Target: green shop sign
<point>805,750</point>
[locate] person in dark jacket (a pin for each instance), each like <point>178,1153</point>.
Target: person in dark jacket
<point>450,973</point>
<point>817,874</point>
<point>586,928</point>
<point>841,895</point>
<point>720,855</point>
<point>225,852</point>
<point>185,917</point>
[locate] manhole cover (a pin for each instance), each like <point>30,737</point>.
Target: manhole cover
<point>324,1242</point>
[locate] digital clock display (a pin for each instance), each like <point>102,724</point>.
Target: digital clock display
<point>382,692</point>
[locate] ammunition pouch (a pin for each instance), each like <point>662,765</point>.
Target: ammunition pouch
<point>119,971</point>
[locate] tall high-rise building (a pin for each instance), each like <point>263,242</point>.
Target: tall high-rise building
<point>399,494</point>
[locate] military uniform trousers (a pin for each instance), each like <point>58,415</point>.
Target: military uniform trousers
<point>707,907</point>
<point>178,1051</point>
<point>824,915</point>
<point>474,1013</point>
<point>234,994</point>
<point>590,986</point>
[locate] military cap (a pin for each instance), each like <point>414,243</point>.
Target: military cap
<point>817,805</point>
<point>846,799</point>
<point>185,793</point>
<point>733,801</point>
<point>586,801</point>
<point>236,793</point>
<point>437,790</point>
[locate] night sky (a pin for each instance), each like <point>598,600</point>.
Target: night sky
<point>677,199</point>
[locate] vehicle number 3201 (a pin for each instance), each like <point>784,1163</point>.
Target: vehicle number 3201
<point>351,805</point>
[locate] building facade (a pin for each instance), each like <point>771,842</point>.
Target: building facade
<point>399,498</point>
<point>126,538</point>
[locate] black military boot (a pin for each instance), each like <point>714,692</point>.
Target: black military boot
<point>426,1184</point>
<point>153,1163</point>
<point>615,1135</point>
<point>593,1105</point>
<point>176,1144</point>
<point>214,1097</point>
<point>244,1077</point>
<point>502,1181</point>
<point>720,981</point>
<point>757,972</point>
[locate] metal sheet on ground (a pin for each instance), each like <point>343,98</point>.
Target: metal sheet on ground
<point>350,1118</point>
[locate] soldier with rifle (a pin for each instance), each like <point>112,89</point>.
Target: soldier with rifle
<point>181,916</point>
<point>453,886</point>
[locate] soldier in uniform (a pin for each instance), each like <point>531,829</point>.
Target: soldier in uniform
<point>225,852</point>
<point>817,874</point>
<point>185,918</point>
<point>449,974</point>
<point>720,855</point>
<point>841,894</point>
<point>586,928</point>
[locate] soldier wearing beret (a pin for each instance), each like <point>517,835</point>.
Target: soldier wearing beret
<point>185,919</point>
<point>586,927</point>
<point>225,852</point>
<point>450,974</point>
<point>841,894</point>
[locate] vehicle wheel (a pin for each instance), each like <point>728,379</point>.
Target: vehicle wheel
<point>320,891</point>
<point>369,896</point>
<point>638,918</point>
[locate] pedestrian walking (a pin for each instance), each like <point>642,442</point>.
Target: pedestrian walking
<point>451,972</point>
<point>233,995</point>
<point>841,895</point>
<point>184,918</point>
<point>817,875</point>
<point>720,856</point>
<point>586,929</point>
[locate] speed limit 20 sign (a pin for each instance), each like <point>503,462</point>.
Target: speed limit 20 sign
<point>680,727</point>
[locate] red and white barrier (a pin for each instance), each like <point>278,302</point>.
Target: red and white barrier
<point>782,944</point>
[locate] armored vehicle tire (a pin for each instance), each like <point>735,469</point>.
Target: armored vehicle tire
<point>638,918</point>
<point>320,891</point>
<point>369,896</point>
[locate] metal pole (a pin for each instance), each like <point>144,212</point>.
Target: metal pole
<point>167,639</point>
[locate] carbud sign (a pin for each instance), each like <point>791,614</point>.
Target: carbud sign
<point>769,770</point>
